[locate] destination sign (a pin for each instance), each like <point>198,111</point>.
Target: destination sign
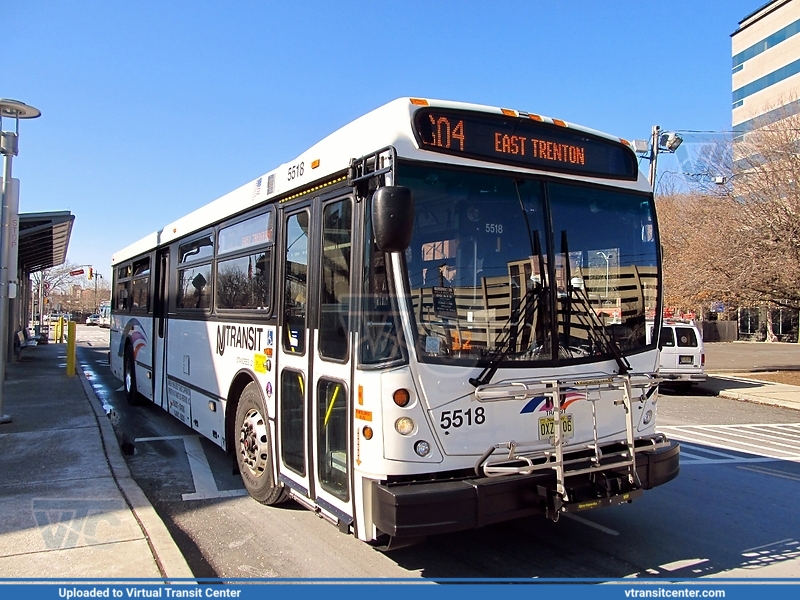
<point>524,142</point>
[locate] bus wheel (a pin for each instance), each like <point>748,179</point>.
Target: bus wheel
<point>253,448</point>
<point>129,377</point>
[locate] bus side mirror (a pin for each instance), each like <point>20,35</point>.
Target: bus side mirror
<point>393,218</point>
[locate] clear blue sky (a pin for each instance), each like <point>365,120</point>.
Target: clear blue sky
<point>151,108</point>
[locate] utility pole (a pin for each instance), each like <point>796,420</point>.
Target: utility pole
<point>96,277</point>
<point>661,142</point>
<point>651,177</point>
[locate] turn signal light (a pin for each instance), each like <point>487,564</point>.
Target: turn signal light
<point>401,397</point>
<point>367,431</point>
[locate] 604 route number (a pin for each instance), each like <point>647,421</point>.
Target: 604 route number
<point>458,418</point>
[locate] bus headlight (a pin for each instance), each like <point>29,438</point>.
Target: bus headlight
<point>404,426</point>
<point>422,448</point>
<point>648,416</point>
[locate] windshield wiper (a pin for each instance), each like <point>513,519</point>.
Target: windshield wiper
<point>536,291</point>
<point>599,326</point>
<point>510,330</point>
<point>611,345</point>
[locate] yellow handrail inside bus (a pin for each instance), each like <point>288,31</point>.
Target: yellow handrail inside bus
<point>330,406</point>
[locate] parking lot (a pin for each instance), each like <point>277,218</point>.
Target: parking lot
<point>753,357</point>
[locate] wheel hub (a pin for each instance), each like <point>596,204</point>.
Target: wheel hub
<point>253,446</point>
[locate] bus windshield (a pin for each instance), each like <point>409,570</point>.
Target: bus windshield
<point>535,269</point>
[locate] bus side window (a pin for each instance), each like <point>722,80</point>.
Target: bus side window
<point>122,296</point>
<point>295,283</point>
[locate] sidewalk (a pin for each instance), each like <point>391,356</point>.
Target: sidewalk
<point>736,387</point>
<point>68,505</point>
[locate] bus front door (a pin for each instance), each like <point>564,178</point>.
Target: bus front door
<point>331,363</point>
<point>314,357</point>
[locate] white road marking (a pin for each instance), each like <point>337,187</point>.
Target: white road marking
<point>773,472</point>
<point>205,487</point>
<point>757,442</point>
<point>589,523</point>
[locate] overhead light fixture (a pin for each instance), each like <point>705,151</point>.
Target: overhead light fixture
<point>670,141</point>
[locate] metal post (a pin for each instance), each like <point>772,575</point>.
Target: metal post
<point>8,147</point>
<point>71,349</point>
<point>41,304</point>
<point>653,157</point>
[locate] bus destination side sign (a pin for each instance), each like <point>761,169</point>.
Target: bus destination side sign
<point>524,142</point>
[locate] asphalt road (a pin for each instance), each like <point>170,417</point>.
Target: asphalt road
<point>727,514</point>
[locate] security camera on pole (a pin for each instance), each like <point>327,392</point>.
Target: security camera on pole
<point>8,148</point>
<point>660,141</point>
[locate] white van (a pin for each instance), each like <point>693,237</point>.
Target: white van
<point>683,357</point>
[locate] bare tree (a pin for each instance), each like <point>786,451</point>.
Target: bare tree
<point>72,291</point>
<point>735,236</point>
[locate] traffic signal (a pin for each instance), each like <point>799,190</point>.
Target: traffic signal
<point>91,272</point>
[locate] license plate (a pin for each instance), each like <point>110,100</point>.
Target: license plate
<point>548,430</point>
<point>686,360</point>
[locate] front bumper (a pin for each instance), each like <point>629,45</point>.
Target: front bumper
<point>428,508</point>
<point>683,377</point>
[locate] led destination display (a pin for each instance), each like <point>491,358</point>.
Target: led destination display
<point>524,142</point>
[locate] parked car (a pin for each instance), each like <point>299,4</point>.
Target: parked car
<point>56,316</point>
<point>682,355</point>
<point>93,319</point>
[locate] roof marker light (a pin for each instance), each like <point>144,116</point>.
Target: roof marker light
<point>419,102</point>
<point>508,112</point>
<point>535,117</point>
<point>315,163</point>
<point>559,122</point>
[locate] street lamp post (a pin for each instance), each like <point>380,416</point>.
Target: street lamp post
<point>96,277</point>
<point>660,141</point>
<point>8,148</point>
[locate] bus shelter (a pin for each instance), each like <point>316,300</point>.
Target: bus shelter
<point>43,242</point>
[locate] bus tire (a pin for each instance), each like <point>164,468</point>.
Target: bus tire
<point>129,377</point>
<point>254,448</point>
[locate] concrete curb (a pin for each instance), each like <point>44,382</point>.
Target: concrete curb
<point>165,551</point>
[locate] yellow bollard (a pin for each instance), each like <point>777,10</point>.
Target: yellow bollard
<point>71,349</point>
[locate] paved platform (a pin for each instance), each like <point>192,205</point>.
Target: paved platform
<point>68,505</point>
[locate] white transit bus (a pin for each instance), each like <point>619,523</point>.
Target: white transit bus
<point>105,314</point>
<point>432,320</point>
